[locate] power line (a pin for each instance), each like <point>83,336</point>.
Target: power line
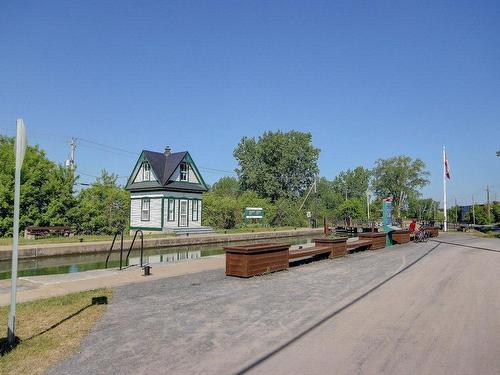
<point>107,147</point>
<point>217,170</point>
<point>88,143</point>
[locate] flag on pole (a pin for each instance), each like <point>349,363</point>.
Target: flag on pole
<point>447,166</point>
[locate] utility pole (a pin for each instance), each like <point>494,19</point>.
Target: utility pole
<point>456,212</point>
<point>445,175</point>
<point>488,202</point>
<point>473,212</point>
<point>71,162</point>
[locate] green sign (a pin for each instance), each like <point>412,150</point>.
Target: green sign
<point>253,213</point>
<point>387,219</point>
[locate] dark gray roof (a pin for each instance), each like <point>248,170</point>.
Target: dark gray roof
<point>185,186</point>
<point>164,166</point>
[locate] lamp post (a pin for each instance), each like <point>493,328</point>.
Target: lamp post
<point>19,150</point>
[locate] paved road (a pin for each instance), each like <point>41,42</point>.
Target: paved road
<point>439,316</point>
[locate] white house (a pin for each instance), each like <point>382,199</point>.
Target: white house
<point>165,191</point>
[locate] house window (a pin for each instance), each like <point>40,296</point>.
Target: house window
<point>171,210</point>
<point>184,172</point>
<point>146,172</point>
<point>145,209</point>
<point>194,210</point>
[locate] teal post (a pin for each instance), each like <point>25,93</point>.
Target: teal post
<point>387,220</point>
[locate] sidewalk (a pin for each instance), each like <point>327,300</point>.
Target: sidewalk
<point>38,287</point>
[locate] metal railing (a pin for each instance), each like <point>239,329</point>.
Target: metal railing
<point>129,250</point>
<point>132,245</point>
<point>113,244</point>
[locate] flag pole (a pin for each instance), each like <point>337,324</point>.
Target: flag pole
<point>445,224</point>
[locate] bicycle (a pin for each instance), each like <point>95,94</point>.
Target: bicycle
<point>421,235</point>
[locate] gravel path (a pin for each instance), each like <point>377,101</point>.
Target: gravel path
<point>206,323</point>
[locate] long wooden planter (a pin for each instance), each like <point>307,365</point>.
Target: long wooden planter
<point>338,246</point>
<point>434,231</point>
<point>377,239</point>
<point>251,260</point>
<point>401,236</point>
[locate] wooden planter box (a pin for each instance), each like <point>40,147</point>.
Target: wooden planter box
<point>338,245</point>
<point>434,231</point>
<point>369,229</point>
<point>401,236</point>
<point>251,260</point>
<point>377,239</point>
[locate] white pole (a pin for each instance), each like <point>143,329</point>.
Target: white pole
<point>473,212</point>
<point>445,226</point>
<point>20,147</point>
<point>368,204</point>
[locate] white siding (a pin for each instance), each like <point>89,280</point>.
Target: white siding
<point>193,223</point>
<point>139,175</point>
<point>192,175</point>
<point>175,223</point>
<point>154,214</point>
<point>155,207</point>
<point>174,194</point>
<point>176,176</point>
<point>171,224</point>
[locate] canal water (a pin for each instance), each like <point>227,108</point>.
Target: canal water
<point>85,262</point>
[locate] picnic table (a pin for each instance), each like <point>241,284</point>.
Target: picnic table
<point>34,232</point>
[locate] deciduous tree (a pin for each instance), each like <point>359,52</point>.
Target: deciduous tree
<point>227,186</point>
<point>46,189</point>
<point>103,208</point>
<point>278,164</point>
<point>352,183</point>
<point>399,177</point>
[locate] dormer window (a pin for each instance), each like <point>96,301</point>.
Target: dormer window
<point>146,172</point>
<point>184,171</point>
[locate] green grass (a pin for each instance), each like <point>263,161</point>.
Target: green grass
<point>254,229</point>
<point>50,330</point>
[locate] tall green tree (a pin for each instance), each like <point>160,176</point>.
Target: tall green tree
<point>352,183</point>
<point>495,212</point>
<point>221,211</point>
<point>399,177</point>
<point>46,189</point>
<point>287,213</point>
<point>278,164</point>
<point>422,208</point>
<point>351,209</point>
<point>227,186</point>
<point>480,213</point>
<point>103,208</point>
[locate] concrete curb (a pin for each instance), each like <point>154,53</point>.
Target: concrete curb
<point>48,250</point>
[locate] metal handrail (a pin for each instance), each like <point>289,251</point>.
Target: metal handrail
<point>111,248</point>
<point>132,245</point>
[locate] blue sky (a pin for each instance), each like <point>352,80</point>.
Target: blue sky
<point>367,79</point>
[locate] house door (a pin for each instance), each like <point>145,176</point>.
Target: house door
<point>183,213</point>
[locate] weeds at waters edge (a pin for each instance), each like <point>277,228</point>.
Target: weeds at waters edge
<point>50,330</point>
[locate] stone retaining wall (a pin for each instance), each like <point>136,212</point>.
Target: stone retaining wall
<point>47,250</point>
